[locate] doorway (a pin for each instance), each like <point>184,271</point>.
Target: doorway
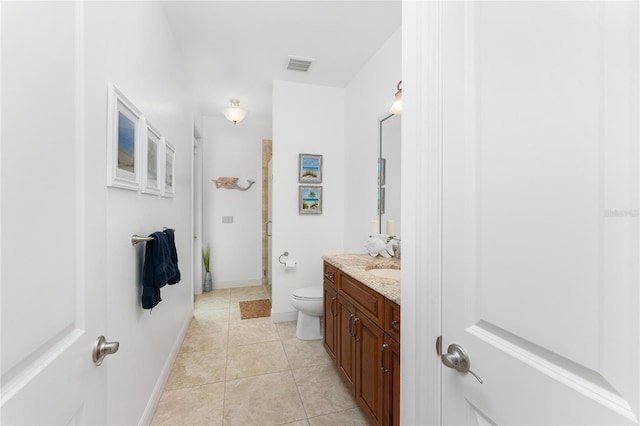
<point>197,212</point>
<point>267,189</point>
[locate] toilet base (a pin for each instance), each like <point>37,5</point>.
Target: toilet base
<point>308,327</point>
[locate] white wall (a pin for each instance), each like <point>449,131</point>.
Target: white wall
<point>306,119</point>
<point>367,96</point>
<point>129,44</point>
<point>233,151</point>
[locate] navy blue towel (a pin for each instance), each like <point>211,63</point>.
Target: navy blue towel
<point>174,255</point>
<point>157,270</point>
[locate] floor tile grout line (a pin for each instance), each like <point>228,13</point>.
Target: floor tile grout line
<point>283,336</point>
<point>293,376</point>
<point>226,364</point>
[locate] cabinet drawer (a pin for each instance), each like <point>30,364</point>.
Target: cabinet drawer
<point>367,300</point>
<point>330,274</point>
<point>392,319</point>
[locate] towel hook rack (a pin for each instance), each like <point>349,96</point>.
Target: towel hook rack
<point>285,254</point>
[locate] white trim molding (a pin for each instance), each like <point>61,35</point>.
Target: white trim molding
<point>421,215</point>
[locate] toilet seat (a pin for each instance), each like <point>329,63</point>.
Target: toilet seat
<point>308,293</point>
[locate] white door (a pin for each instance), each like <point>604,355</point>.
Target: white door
<point>53,286</point>
<point>540,212</point>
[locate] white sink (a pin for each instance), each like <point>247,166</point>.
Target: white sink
<point>393,274</point>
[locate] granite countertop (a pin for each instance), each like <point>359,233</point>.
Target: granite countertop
<point>357,265</point>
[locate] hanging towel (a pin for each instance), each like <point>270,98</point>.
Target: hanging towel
<point>170,233</point>
<point>157,270</point>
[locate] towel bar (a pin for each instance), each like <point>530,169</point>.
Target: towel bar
<point>135,239</point>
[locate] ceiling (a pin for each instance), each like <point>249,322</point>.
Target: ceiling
<point>235,49</point>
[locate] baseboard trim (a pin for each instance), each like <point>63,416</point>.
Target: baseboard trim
<point>236,284</point>
<point>283,316</point>
<point>154,399</point>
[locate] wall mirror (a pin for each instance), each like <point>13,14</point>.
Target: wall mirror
<point>389,172</point>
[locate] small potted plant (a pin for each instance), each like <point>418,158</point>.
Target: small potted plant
<point>206,257</point>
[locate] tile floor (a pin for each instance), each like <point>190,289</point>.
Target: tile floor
<point>251,372</point>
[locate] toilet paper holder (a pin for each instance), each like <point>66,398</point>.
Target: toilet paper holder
<point>285,254</point>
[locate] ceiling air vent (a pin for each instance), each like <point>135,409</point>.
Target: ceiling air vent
<point>299,63</point>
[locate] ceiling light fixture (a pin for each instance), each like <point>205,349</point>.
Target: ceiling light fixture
<point>396,108</point>
<point>234,113</point>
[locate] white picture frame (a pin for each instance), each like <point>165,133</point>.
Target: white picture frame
<point>169,168</point>
<point>124,139</point>
<point>152,160</point>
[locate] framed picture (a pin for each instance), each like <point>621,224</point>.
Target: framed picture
<point>124,138</point>
<point>310,168</point>
<point>310,200</point>
<point>168,187</point>
<point>151,177</point>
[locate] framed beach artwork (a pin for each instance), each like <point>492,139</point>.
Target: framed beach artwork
<point>310,200</point>
<point>124,138</point>
<point>310,168</point>
<point>168,187</point>
<point>151,177</point>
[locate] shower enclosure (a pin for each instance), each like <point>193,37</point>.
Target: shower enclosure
<point>267,189</point>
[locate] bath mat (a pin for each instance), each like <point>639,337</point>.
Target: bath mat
<point>255,309</point>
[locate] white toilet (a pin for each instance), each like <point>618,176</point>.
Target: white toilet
<point>308,302</point>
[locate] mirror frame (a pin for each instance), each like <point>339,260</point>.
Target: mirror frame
<point>381,171</point>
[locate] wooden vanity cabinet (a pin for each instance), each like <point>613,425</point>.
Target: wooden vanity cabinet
<point>392,319</point>
<point>346,348</point>
<point>330,334</point>
<point>362,335</point>
<point>390,361</point>
<point>330,315</point>
<point>369,339</point>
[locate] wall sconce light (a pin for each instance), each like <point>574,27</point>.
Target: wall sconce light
<point>396,108</point>
<point>234,113</point>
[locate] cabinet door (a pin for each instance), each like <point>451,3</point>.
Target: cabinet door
<point>369,378</point>
<point>391,372</point>
<point>330,323</point>
<point>346,343</point>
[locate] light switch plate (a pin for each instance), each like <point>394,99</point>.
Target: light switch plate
<point>227,219</point>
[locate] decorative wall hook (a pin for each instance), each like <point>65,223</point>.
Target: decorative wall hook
<point>231,183</point>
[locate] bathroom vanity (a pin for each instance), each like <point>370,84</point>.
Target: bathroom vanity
<point>362,330</point>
